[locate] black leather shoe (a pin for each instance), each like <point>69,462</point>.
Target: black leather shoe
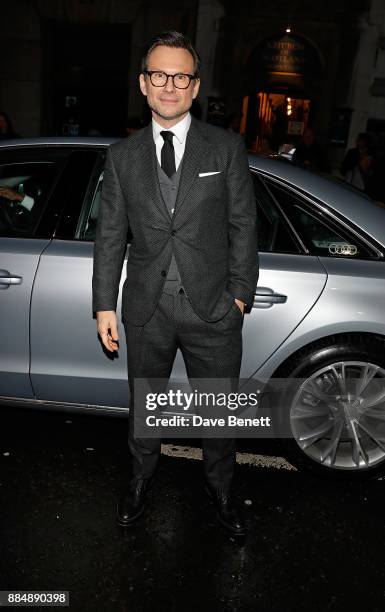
<point>227,512</point>
<point>131,503</point>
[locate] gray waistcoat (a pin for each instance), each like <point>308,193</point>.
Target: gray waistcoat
<point>169,188</point>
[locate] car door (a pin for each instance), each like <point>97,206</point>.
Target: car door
<point>290,283</point>
<point>299,278</point>
<point>68,361</point>
<point>27,179</point>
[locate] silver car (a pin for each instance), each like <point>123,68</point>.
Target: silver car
<point>318,312</point>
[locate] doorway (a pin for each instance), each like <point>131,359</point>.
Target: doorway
<point>281,81</point>
<point>276,119</point>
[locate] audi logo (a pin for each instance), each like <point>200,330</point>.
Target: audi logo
<point>342,248</point>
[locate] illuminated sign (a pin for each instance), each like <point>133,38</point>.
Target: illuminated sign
<point>288,54</point>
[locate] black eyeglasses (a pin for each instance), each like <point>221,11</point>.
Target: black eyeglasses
<point>159,78</point>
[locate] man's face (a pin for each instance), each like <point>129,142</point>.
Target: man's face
<point>169,103</point>
<point>362,145</point>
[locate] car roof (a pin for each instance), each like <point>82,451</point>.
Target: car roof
<point>331,191</point>
<point>58,140</point>
<point>350,203</point>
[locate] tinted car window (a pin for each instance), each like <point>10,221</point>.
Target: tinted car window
<point>87,225</point>
<point>88,229</point>
<point>24,189</point>
<point>72,191</point>
<point>321,236</point>
<point>89,217</point>
<point>274,235</point>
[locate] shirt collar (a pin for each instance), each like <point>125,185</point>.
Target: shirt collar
<point>180,129</point>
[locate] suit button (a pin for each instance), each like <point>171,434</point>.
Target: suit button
<point>173,232</point>
<point>163,273</point>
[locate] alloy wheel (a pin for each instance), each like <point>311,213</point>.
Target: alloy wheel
<point>337,415</point>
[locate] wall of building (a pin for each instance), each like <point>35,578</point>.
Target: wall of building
<point>366,94</point>
<point>27,70</point>
<point>348,35</point>
<point>20,66</point>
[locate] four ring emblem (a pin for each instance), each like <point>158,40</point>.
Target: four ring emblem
<point>342,248</point>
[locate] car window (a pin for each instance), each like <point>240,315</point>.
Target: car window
<point>88,220</point>
<point>24,189</point>
<point>73,189</point>
<point>91,216</point>
<point>321,236</point>
<point>274,235</point>
<point>87,227</point>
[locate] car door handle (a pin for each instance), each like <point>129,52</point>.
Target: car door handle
<point>266,297</point>
<point>6,279</point>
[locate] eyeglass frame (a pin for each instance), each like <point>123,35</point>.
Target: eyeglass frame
<point>151,72</point>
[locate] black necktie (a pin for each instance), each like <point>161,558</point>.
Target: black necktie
<point>167,156</point>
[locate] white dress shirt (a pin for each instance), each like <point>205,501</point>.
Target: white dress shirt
<point>180,130</point>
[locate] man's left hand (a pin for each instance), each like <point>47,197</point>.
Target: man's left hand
<point>241,305</point>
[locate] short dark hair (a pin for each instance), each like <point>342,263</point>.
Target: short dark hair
<point>174,39</point>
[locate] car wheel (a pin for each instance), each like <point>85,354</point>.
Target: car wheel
<point>335,412</point>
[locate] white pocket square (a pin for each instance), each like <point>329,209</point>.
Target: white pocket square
<point>209,173</point>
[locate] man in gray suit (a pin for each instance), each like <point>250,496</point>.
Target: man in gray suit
<point>184,189</point>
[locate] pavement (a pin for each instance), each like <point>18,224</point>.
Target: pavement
<point>312,544</point>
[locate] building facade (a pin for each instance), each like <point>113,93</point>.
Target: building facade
<point>269,69</point>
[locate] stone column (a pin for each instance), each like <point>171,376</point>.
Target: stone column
<point>209,17</point>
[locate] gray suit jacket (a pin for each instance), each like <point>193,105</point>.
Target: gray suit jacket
<point>212,232</point>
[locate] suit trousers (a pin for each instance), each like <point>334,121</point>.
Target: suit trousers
<point>210,350</point>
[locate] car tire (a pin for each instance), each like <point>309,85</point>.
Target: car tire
<point>346,354</point>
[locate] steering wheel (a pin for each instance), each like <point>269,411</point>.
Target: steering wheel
<point>5,217</point>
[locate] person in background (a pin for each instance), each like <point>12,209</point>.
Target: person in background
<point>24,194</point>
<point>310,154</point>
<point>17,204</point>
<point>6,127</point>
<point>352,157</point>
<point>361,174</point>
<point>10,194</point>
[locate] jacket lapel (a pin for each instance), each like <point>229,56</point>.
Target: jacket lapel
<point>147,163</point>
<point>194,152</point>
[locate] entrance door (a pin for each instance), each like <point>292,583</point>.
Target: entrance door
<point>273,120</point>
